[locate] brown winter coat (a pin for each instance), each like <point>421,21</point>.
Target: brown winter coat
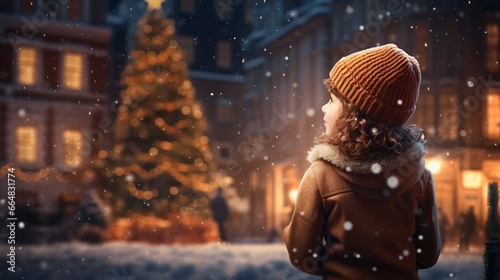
<point>364,219</point>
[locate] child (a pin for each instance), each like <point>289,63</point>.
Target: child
<point>366,207</point>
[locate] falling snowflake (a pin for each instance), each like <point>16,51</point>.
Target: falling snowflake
<point>310,112</point>
<point>376,168</point>
<point>268,74</point>
<point>393,182</point>
<point>21,112</point>
<point>347,225</point>
<point>400,102</point>
<point>21,225</point>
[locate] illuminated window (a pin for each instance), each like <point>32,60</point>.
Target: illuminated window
<point>73,71</point>
<point>224,110</point>
<point>421,47</point>
<point>448,120</point>
<point>72,141</point>
<point>188,46</point>
<point>224,53</point>
<point>492,40</point>
<point>493,115</point>
<point>26,144</point>
<point>26,66</point>
<point>187,6</point>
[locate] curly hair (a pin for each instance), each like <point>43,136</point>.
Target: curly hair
<point>359,136</point>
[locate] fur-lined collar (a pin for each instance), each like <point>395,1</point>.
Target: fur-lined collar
<point>331,154</point>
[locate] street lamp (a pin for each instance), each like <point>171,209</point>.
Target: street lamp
<point>293,195</point>
<point>434,165</point>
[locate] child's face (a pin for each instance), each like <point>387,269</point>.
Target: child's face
<point>332,110</point>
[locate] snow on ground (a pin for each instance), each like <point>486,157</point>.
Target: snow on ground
<point>139,261</point>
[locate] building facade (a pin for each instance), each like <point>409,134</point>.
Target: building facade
<point>210,34</point>
<point>54,99</point>
<point>457,46</point>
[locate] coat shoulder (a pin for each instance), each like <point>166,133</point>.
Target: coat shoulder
<point>328,180</point>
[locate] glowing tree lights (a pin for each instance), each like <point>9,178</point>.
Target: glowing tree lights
<point>160,162</point>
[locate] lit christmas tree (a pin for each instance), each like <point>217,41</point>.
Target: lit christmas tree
<point>160,163</point>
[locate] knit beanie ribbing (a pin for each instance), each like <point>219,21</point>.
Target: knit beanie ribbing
<point>382,82</point>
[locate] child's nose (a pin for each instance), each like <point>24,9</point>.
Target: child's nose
<point>323,109</point>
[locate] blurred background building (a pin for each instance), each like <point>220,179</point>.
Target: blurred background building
<point>56,80</point>
<point>293,46</point>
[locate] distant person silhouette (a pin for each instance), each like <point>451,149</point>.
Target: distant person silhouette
<point>220,212</point>
<point>467,227</point>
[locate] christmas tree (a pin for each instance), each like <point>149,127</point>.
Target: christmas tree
<point>160,162</point>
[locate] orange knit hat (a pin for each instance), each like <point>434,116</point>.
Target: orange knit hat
<point>382,82</point>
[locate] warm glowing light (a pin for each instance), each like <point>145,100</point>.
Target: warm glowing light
<point>186,110</point>
<point>159,121</point>
<point>154,4</point>
<point>197,114</point>
<point>118,171</point>
<point>293,195</point>
<point>134,122</point>
<point>434,165</point>
<point>73,71</point>
<point>174,190</point>
<point>204,139</point>
<point>26,143</point>
<point>147,28</point>
<point>166,145</point>
<point>153,151</point>
<point>103,154</point>
<point>472,179</point>
<point>27,66</point>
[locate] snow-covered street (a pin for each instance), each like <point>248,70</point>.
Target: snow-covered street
<point>127,261</point>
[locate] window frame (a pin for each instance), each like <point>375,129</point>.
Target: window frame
<point>492,47</point>
<point>487,116</point>
<point>36,62</point>
<point>26,145</point>
<point>68,157</point>
<point>63,71</point>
